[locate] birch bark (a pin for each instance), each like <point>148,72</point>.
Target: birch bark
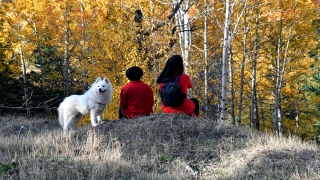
<point>183,23</point>
<point>254,122</point>
<point>224,77</point>
<point>205,48</point>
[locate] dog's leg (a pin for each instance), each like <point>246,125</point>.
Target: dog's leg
<point>99,116</point>
<point>93,117</point>
<point>64,120</point>
<point>65,128</point>
<point>72,126</point>
<point>75,120</point>
<point>69,122</point>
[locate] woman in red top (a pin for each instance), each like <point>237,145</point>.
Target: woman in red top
<point>136,97</point>
<point>174,66</point>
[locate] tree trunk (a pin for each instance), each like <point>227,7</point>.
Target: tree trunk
<point>83,58</point>
<point>254,122</point>
<point>277,119</point>
<point>66,83</point>
<point>281,75</point>
<point>139,34</point>
<point>224,77</point>
<point>39,49</point>
<point>40,58</point>
<point>242,65</point>
<point>184,26</point>
<point>232,113</point>
<point>25,80</point>
<point>205,48</point>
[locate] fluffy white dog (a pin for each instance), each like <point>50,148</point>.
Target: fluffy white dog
<point>94,101</point>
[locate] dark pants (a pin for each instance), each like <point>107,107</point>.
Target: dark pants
<point>196,104</point>
<point>120,114</point>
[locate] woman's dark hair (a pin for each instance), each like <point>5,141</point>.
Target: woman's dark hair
<point>174,65</point>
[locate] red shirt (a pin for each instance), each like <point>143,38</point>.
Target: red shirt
<point>188,105</point>
<point>136,99</point>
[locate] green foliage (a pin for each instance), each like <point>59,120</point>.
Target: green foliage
<point>6,168</point>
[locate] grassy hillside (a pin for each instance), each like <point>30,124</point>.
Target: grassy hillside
<point>154,147</point>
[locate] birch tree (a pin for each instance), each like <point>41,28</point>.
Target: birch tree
<point>242,65</point>
<point>205,50</point>
<point>228,34</point>
<point>183,23</point>
<point>254,121</point>
<point>66,83</point>
<point>225,51</point>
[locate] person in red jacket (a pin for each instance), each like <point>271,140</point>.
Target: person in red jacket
<point>174,66</point>
<point>136,97</point>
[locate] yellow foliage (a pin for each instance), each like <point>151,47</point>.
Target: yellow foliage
<point>104,40</point>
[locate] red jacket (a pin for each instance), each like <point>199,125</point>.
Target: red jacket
<point>188,105</point>
<point>136,99</point>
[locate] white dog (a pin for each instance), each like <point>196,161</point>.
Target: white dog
<point>94,101</point>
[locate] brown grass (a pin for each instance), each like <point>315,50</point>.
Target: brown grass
<point>155,147</point>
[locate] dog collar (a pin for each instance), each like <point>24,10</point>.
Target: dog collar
<point>98,102</point>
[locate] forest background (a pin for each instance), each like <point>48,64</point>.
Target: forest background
<point>252,62</point>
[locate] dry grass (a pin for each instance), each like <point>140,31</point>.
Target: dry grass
<point>154,147</point>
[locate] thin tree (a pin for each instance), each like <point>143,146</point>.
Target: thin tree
<point>277,119</point>
<point>66,83</point>
<point>25,80</point>
<point>280,76</point>
<point>227,37</point>
<point>225,51</point>
<point>183,23</point>
<point>232,93</point>
<point>254,122</point>
<point>205,48</point>
<point>83,51</point>
<point>242,65</point>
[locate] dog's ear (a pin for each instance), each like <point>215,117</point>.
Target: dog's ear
<point>106,80</point>
<point>97,80</point>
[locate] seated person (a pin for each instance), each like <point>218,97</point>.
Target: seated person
<point>173,68</point>
<point>136,97</point>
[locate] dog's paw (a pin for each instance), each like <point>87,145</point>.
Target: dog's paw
<point>102,122</point>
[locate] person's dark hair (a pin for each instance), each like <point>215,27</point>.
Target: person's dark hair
<point>134,73</point>
<point>174,65</point>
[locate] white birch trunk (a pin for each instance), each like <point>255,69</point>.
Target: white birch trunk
<point>183,23</point>
<point>277,118</point>
<point>245,32</point>
<point>281,75</point>
<point>232,113</point>
<point>205,48</point>
<point>253,99</point>
<point>224,78</point>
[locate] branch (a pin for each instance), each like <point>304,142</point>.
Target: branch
<point>45,102</point>
<point>175,10</point>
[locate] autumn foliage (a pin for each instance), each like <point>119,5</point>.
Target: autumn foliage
<point>53,48</point>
